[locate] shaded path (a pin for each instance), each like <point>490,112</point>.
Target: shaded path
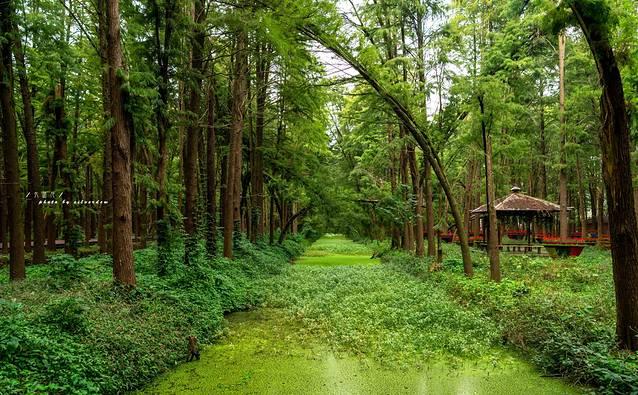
<point>283,350</point>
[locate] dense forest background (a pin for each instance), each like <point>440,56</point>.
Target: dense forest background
<point>223,126</point>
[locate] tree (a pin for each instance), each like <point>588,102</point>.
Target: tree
<point>564,221</point>
<point>492,238</point>
<point>193,132</point>
<point>592,17</point>
<point>411,125</point>
<point>211,172</point>
<point>233,181</point>
<point>105,233</point>
<point>10,146</point>
<point>123,266</point>
<point>163,50</point>
<point>34,209</point>
<point>262,75</point>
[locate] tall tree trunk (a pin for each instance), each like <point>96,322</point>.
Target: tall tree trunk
<point>469,192</point>
<point>192,145</point>
<point>10,146</point>
<point>406,242</point>
<point>223,178</point>
<point>271,222</point>
<point>408,226</point>
<point>562,172</point>
<point>425,188</point>
<point>600,203</point>
<point>582,209</point>
<point>233,184</point>
<point>257,173</point>
<point>3,208</point>
<point>490,195</point>
<point>51,226</point>
<point>123,266</point>
<point>592,196</point>
<point>105,231</point>
<point>543,148</point>
<point>57,163</point>
<point>615,145</point>
<point>62,165</point>
<point>143,205</point>
<point>33,162</point>
<point>211,174</point>
<point>181,92</point>
<point>143,217</point>
<point>392,174</point>
<point>429,207</point>
<point>88,195</point>
<point>417,190</point>
<point>163,124</point>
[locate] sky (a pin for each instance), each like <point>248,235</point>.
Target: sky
<point>337,68</point>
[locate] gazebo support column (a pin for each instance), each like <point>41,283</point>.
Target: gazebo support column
<point>529,231</point>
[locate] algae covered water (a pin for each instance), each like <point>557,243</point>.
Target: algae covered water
<point>272,350</point>
<point>262,356</point>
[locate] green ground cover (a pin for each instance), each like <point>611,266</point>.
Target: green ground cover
<point>357,329</point>
<point>335,317</point>
<point>380,313</point>
<point>67,329</point>
<point>337,260</point>
<point>266,352</point>
<point>331,244</point>
<point>558,311</point>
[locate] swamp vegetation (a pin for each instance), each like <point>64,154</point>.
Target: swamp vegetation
<point>357,327</point>
<point>295,185</point>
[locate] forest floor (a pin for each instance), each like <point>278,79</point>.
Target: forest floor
<point>341,322</point>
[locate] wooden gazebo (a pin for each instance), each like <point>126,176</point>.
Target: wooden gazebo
<point>518,205</point>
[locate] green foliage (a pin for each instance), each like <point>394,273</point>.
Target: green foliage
<point>64,270</point>
<point>558,311</point>
<point>310,234</point>
<point>337,244</point>
<point>88,336</point>
<point>379,312</point>
<point>39,359</point>
<point>68,314</point>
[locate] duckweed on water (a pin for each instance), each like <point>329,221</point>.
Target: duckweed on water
<point>264,354</point>
<point>381,313</point>
<point>336,326</point>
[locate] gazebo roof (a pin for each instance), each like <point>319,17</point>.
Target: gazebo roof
<point>519,203</point>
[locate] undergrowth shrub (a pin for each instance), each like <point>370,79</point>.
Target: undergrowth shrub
<point>40,359</point>
<point>69,329</point>
<point>64,270</point>
<point>310,234</point>
<point>67,314</point>
<point>560,312</point>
